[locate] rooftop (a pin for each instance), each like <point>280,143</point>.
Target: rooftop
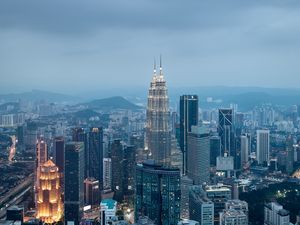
<point>110,203</point>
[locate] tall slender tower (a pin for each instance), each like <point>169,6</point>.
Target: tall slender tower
<point>158,134</point>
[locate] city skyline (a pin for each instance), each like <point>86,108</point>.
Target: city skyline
<point>87,46</point>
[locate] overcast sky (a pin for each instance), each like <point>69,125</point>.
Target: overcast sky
<point>69,46</point>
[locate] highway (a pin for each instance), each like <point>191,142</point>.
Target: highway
<point>16,200</point>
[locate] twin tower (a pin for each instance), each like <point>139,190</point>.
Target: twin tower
<point>158,132</point>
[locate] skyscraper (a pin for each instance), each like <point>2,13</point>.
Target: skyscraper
<point>157,193</point>
<point>263,146</point>
<point>245,148</point>
<point>95,155</point>
<point>80,135</point>
<point>117,169</point>
<point>215,149</point>
<point>198,153</point>
<point>226,131</point>
<point>59,153</point>
<point>91,192</point>
<point>41,158</point>
<point>158,133</point>
<point>107,176</point>
<point>188,118</point>
<point>290,154</point>
<point>74,177</point>
<point>49,203</point>
<point>129,169</point>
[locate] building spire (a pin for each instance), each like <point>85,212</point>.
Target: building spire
<point>154,68</point>
<point>160,65</point>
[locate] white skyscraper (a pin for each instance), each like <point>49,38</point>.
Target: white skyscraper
<point>106,173</point>
<point>263,146</point>
<point>158,133</point>
<point>245,139</point>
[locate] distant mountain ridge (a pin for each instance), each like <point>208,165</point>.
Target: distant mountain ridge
<point>116,102</point>
<point>38,95</point>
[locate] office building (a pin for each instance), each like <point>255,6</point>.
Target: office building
<point>219,194</point>
<point>41,158</point>
<point>107,176</point>
<point>215,149</point>
<point>157,193</point>
<point>158,131</point>
<point>263,146</point>
<point>232,216</point>
<point>80,135</point>
<point>91,191</point>
<point>245,151</point>
<point>117,169</point>
<point>95,154</point>
<point>129,163</point>
<point>74,177</point>
<point>49,202</point>
<point>188,117</point>
<point>290,155</point>
<point>59,153</point>
<point>198,153</point>
<point>274,214</point>
<point>226,131</point>
<point>237,205</point>
<point>201,208</point>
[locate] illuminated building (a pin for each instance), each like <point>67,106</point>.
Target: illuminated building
<point>49,204</point>
<point>158,134</point>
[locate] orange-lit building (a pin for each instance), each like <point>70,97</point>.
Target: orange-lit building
<point>49,203</point>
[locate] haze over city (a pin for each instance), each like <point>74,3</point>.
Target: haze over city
<point>81,46</point>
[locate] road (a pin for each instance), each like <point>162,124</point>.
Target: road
<point>28,182</point>
<point>16,200</point>
<point>12,150</point>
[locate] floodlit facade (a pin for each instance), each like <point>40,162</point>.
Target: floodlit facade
<point>49,203</point>
<point>158,133</point>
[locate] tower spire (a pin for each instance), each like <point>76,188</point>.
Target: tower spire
<point>160,65</point>
<point>154,68</point>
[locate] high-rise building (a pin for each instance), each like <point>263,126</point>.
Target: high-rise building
<point>157,193</point>
<point>59,153</point>
<point>274,214</point>
<point>290,154</point>
<point>158,132</point>
<point>74,177</point>
<point>188,118</point>
<point>117,169</point>
<point>91,191</point>
<point>129,169</point>
<point>107,176</point>
<point>232,216</point>
<point>95,155</point>
<point>49,203</point>
<point>80,135</point>
<point>41,158</point>
<point>226,131</point>
<point>198,153</point>
<point>201,208</point>
<point>215,149</point>
<point>245,151</point>
<point>263,146</point>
